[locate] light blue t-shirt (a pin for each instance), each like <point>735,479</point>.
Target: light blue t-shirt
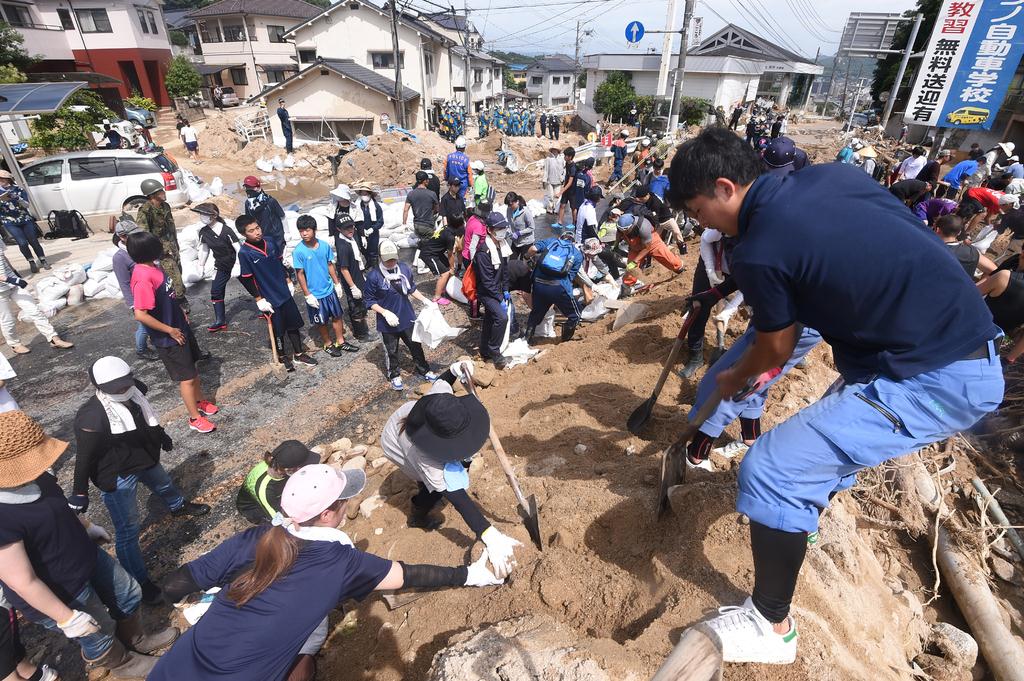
<point>313,262</point>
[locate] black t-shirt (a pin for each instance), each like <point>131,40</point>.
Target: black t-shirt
<point>967,255</point>
<point>930,173</point>
<point>520,275</point>
<point>1008,309</point>
<point>61,553</point>
<point>452,206</point>
<point>434,184</point>
<point>423,203</point>
<point>220,245</point>
<point>347,259</point>
<point>1014,221</point>
<point>440,245</point>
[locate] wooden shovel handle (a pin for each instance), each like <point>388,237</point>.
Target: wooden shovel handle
<point>499,452</point>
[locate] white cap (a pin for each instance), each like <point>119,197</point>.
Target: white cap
<point>388,250</point>
<point>460,142</point>
<point>1010,200</point>
<point>342,192</point>
<point>477,165</point>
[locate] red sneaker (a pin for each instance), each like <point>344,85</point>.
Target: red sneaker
<point>201,425</point>
<point>207,408</point>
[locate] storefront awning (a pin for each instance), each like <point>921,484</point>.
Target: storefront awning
<point>210,69</point>
<point>35,98</point>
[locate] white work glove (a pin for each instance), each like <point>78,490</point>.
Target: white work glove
<point>714,278</point>
<point>462,370</point>
<point>339,291</point>
<point>356,293</point>
<point>291,289</point>
<point>390,317</point>
<point>500,551</point>
<point>264,306</point>
<point>312,301</point>
<point>479,575</point>
<point>97,533</point>
<point>80,624</point>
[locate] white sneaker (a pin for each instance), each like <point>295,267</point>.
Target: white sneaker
<point>703,465</point>
<point>396,383</point>
<point>744,635</point>
<point>732,449</point>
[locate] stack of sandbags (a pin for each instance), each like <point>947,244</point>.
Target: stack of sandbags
<point>74,276</point>
<point>101,282</point>
<point>535,207</point>
<point>51,292</point>
<point>188,251</point>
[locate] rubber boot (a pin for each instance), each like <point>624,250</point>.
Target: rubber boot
<point>531,331</point>
<point>694,364</point>
<point>122,663</point>
<point>33,266</point>
<point>474,309</point>
<point>361,329</point>
<point>129,632</point>
<point>219,321</point>
<point>568,329</point>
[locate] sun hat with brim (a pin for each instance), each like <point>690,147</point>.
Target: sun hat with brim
<point>868,152</point>
<point>6,175</point>
<point>312,489</point>
<point>342,192</point>
<point>206,208</point>
<point>25,450</point>
<point>1007,147</point>
<point>362,187</point>
<point>447,428</point>
<point>111,375</point>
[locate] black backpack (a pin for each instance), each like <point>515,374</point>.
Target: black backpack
<point>67,224</point>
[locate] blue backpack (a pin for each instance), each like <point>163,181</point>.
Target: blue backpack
<point>557,260</point>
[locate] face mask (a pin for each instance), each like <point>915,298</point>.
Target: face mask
<point>252,192</point>
<point>365,198</point>
<point>500,233</point>
<point>120,397</point>
<point>206,219</point>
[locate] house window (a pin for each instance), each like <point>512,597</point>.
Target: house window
<point>307,56</point>
<point>152,23</point>
<point>209,33</point>
<point>496,74</point>
<point>478,76</point>
<point>275,33</point>
<point>142,19</point>
<point>238,76</point>
<point>536,80</point>
<point>18,16</point>
<point>277,75</point>
<point>65,19</point>
<point>93,20</point>
<point>428,63</point>
<point>234,33</point>
<point>386,60</point>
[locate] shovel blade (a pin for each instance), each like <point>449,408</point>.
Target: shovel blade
<point>641,415</point>
<point>531,519</point>
<point>672,473</point>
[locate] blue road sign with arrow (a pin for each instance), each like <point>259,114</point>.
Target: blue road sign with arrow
<point>634,32</point>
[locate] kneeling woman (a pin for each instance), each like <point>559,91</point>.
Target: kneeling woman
<point>281,581</point>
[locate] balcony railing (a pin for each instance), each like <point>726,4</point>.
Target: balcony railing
<point>21,25</point>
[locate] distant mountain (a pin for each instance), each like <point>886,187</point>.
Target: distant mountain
<point>865,66</point>
<point>513,57</point>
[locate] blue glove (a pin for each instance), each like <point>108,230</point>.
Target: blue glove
<point>79,503</point>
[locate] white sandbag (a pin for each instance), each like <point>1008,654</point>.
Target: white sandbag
<point>188,255</point>
<point>48,307</point>
<point>595,310</point>
<point>264,165</point>
<point>276,163</point>
<point>431,328</point>
<point>216,186</point>
<point>97,275</point>
<point>210,270</point>
<point>190,273</point>
<point>535,207</point>
<point>198,194</point>
<point>103,262</point>
<point>70,274</point>
<point>289,161</point>
<point>76,296</point>
<point>983,243</point>
<point>407,242</point>
<point>111,286</point>
<point>6,372</point>
<point>547,326</point>
<point>518,352</point>
<point>92,286</point>
<point>453,290</point>
<point>51,288</point>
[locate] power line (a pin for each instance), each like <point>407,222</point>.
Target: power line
<point>805,22</point>
<point>813,13</point>
<point>768,25</point>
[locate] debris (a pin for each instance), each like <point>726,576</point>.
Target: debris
<point>379,462</point>
<point>370,504</point>
<point>580,449</point>
<point>355,463</point>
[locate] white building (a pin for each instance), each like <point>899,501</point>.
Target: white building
<point>485,70</point>
<point>550,78</point>
<point>243,42</point>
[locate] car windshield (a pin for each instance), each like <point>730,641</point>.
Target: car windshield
<point>165,163</point>
<point>227,90</point>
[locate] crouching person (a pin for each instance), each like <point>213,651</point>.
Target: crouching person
<point>557,267</point>
<point>281,581</point>
<point>52,571</point>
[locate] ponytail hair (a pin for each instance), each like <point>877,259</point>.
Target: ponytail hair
<point>276,552</point>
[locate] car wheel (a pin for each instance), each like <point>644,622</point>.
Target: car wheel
<point>133,204</point>
<point>124,143</point>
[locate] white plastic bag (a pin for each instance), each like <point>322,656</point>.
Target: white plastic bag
<point>518,352</point>
<point>431,328</point>
<point>547,326</point>
<point>264,165</point>
<point>595,310</point>
<point>289,161</point>
<point>453,290</point>
<point>276,163</point>
<point>216,186</point>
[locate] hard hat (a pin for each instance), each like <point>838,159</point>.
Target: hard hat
<point>388,250</point>
<point>150,187</point>
<point>251,181</point>
<point>626,221</point>
<point>477,165</point>
<point>460,142</point>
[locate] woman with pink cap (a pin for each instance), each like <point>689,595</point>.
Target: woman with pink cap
<point>281,581</point>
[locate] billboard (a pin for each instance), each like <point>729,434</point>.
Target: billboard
<point>972,55</point>
<point>870,34</point>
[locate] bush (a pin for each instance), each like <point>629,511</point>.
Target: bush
<point>140,102</point>
<point>68,129</point>
<point>9,73</point>
<point>182,79</point>
<point>615,96</point>
<point>692,110</point>
<point>178,38</point>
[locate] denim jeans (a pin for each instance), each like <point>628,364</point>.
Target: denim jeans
<point>141,334</point>
<point>110,595</point>
<point>26,234</point>
<point>124,513</point>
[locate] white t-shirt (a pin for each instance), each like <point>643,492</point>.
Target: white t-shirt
<point>400,450</point>
<point>189,134</point>
<point>912,166</point>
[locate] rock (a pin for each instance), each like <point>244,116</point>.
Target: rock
<point>379,531</point>
<point>370,504</point>
<point>630,450</point>
<point>423,388</point>
<point>530,648</point>
<point>650,479</point>
<point>743,520</point>
<point>345,406</point>
<point>352,510</point>
<point>459,389</point>
<point>373,452</point>
<point>342,444</point>
<point>580,449</point>
<point>1005,570</point>
<point>320,450</point>
<point>957,647</point>
<point>484,375</point>
<point>359,429</point>
<point>355,463</point>
<point>358,450</point>
<point>378,463</point>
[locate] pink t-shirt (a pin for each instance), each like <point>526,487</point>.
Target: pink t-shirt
<point>475,227</point>
<point>152,292</point>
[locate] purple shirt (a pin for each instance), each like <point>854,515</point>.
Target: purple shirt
<point>933,209</point>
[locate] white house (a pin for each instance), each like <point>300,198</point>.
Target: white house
<point>551,79</point>
<point>243,42</point>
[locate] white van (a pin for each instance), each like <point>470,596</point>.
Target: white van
<point>101,181</point>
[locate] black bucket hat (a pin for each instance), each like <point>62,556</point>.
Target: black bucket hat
<point>448,428</point>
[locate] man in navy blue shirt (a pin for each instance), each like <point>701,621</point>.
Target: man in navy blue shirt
<point>830,249</point>
<point>286,124</point>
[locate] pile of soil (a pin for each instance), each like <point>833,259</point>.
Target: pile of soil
<point>392,159</point>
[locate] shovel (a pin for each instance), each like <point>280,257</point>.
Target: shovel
<point>642,414</point>
<point>527,506</point>
<point>673,470</point>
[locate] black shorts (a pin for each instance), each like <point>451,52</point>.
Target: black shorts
<point>11,650</point>
<point>969,208</point>
<point>180,360</point>
<point>286,317</point>
<point>438,264</point>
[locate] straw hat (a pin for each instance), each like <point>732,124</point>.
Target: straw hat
<point>6,175</point>
<point>25,450</point>
<point>362,186</point>
<point>868,152</point>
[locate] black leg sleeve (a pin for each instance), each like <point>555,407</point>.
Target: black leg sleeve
<point>296,339</point>
<point>179,584</point>
<point>778,557</point>
<point>695,336</point>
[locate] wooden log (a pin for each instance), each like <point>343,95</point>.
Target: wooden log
<point>695,658</point>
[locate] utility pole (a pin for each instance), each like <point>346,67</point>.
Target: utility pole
<point>576,64</point>
<point>468,61</point>
<point>891,101</point>
<point>677,90</point>
<point>666,48</point>
<point>399,103</point>
<point>810,79</point>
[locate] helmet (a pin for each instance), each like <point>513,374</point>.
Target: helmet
<point>251,181</point>
<point>477,165</point>
<point>626,221</point>
<point>460,142</point>
<point>150,187</point>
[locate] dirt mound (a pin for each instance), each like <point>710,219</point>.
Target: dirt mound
<point>218,137</point>
<point>392,159</point>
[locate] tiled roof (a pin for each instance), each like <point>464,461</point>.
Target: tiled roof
<point>349,69</point>
<point>554,62</point>
<point>296,9</point>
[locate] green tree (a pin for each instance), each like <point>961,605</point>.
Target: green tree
<point>138,101</point>
<point>615,96</point>
<point>581,80</point>
<point>182,79</point>
<point>11,51</point>
<point>178,38</point>
<point>885,69</point>
<point>692,110</point>
<point>68,128</point>
<point>509,82</point>
<point>11,74</point>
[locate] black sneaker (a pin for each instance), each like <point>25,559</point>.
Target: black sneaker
<point>348,347</point>
<point>424,521</point>
<point>191,508</point>
<point>151,594</point>
<point>304,359</point>
<point>332,350</point>
<point>287,362</point>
